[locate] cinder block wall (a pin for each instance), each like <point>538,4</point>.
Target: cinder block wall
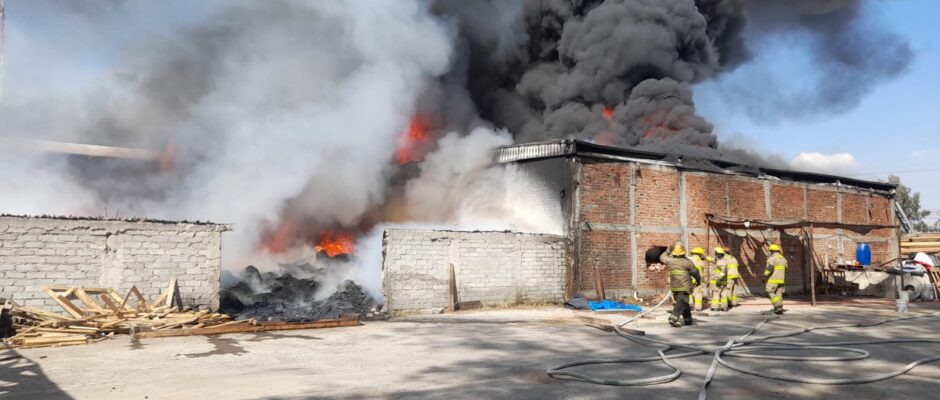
<point>492,267</point>
<point>623,208</point>
<point>39,252</point>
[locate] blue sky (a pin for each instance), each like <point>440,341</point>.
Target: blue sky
<point>896,127</point>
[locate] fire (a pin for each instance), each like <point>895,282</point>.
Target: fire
<point>334,244</point>
<point>281,239</point>
<point>606,138</point>
<point>659,126</point>
<point>411,141</point>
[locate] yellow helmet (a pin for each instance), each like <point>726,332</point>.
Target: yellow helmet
<point>774,247</point>
<point>698,250</point>
<point>720,250</point>
<point>678,250</point>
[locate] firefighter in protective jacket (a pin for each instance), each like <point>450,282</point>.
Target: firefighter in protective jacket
<point>776,274</point>
<point>728,265</point>
<point>681,274</point>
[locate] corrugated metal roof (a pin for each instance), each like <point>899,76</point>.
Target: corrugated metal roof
<point>532,151</point>
<point>570,148</point>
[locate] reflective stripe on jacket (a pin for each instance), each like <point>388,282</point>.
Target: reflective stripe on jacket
<point>681,270</point>
<point>731,264</point>
<point>776,271</point>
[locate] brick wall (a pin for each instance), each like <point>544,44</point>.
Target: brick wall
<point>605,193</point>
<point>39,252</point>
<point>618,224</point>
<point>492,267</point>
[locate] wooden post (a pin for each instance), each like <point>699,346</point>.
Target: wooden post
<point>599,283</point>
<point>706,270</point>
<point>452,282</point>
<point>804,238</point>
<point>812,267</point>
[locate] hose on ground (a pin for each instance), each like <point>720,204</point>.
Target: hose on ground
<point>640,315</point>
<point>746,346</point>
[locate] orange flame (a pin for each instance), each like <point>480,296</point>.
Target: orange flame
<point>659,127</point>
<point>606,138</point>
<point>411,140</point>
<point>334,244</point>
<point>281,238</point>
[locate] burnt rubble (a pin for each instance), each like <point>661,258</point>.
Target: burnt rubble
<point>290,296</point>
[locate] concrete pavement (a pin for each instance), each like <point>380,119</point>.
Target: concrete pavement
<point>483,354</point>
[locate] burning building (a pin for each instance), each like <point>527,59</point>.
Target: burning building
<point>616,204</point>
<point>239,116</point>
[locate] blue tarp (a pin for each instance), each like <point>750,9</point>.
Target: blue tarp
<point>612,305</point>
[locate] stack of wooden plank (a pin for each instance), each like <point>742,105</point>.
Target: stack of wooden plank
<point>94,314</point>
<point>926,242</point>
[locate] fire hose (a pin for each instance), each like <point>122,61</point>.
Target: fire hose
<point>745,347</point>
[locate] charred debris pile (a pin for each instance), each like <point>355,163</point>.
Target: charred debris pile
<point>290,295</point>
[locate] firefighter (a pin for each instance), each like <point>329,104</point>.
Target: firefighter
<point>719,301</point>
<point>713,289</point>
<point>697,258</point>
<point>732,276</point>
<point>775,274</point>
<point>681,275</point>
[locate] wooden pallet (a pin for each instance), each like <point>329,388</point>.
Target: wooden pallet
<point>935,278</point>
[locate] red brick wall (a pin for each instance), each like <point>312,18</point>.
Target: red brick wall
<point>786,202</point>
<point>605,199</point>
<point>747,199</point>
<point>605,193</point>
<point>881,210</point>
<point>647,280</point>
<point>657,197</point>
<point>610,252</point>
<point>854,208</point>
<point>822,206</point>
<point>704,195</point>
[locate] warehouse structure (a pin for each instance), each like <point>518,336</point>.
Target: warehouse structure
<point>617,204</point>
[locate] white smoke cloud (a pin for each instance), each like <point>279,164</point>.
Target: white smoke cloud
<point>263,102</point>
<point>275,107</point>
<point>826,163</point>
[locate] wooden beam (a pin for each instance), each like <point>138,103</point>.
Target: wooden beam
<point>920,244</point>
<point>326,323</point>
<point>108,302</point>
<point>452,285</point>
<point>65,304</point>
<point>90,303</point>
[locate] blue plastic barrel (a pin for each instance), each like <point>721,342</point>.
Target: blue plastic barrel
<point>863,254</point>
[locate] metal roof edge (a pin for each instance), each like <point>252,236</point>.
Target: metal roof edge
<point>572,147</point>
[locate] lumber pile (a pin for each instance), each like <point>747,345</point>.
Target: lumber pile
<point>928,243</point>
<point>95,314</point>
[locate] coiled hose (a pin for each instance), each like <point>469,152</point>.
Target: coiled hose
<point>744,347</point>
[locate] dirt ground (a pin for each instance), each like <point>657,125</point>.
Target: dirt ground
<point>498,354</point>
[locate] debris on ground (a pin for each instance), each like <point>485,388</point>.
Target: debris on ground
<point>102,313</point>
<point>290,296</point>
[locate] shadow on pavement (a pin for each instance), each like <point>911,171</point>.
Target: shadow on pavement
<point>22,379</point>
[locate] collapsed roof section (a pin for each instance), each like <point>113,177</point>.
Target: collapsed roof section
<point>576,148</point>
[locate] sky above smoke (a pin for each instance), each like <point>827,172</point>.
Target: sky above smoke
<point>297,111</point>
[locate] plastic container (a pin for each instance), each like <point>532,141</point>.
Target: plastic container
<point>901,303</point>
<point>863,254</point>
